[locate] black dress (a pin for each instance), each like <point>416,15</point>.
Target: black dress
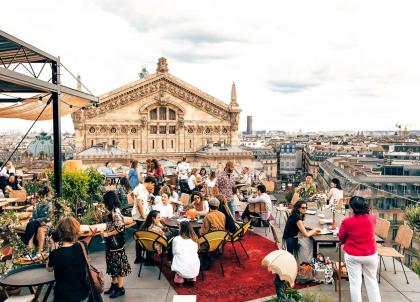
<point>116,260</point>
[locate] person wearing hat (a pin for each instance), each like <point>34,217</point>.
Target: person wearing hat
<point>214,220</point>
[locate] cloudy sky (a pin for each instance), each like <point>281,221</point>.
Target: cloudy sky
<point>310,65</point>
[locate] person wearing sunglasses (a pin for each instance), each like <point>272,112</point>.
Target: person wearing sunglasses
<point>294,226</point>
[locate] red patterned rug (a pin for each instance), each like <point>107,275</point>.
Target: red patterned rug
<point>249,281</point>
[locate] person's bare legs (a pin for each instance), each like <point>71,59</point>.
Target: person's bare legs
<point>42,231</point>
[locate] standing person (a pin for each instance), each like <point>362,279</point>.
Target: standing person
<point>225,183</point>
<point>107,170</point>
<point>183,169</point>
<point>201,178</point>
<point>141,206</point>
<point>149,169</point>
<point>294,225</point>
<point>116,260</point>
<point>211,183</point>
<point>69,265</point>
<point>357,233</point>
<point>133,174</point>
<point>185,263</point>
<point>123,189</point>
<point>157,172</point>
<point>193,181</point>
<point>335,193</point>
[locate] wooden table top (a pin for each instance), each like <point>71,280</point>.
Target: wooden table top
<point>313,221</point>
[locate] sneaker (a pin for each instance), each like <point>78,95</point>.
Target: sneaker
<point>120,291</point>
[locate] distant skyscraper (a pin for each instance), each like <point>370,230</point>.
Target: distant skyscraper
<point>249,124</point>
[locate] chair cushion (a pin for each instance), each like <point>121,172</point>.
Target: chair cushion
<point>388,252</point>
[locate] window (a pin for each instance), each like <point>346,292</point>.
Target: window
<point>163,145</point>
<point>172,129</point>
<point>153,143</point>
<point>162,113</point>
<point>172,144</point>
<point>91,143</point>
<point>153,129</point>
<point>172,115</point>
<point>162,129</point>
<point>113,130</point>
<point>134,144</point>
<point>190,144</point>
<point>113,142</point>
<point>153,114</point>
<point>381,215</point>
<point>394,217</point>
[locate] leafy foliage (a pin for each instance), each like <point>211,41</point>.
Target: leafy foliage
<point>416,267</point>
<point>412,216</point>
<point>33,186</point>
<point>95,180</point>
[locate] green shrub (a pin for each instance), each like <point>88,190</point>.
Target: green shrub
<point>415,267</point>
<point>95,181</point>
<point>33,186</point>
<point>412,216</point>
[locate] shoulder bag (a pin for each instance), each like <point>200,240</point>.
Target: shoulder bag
<point>94,276</point>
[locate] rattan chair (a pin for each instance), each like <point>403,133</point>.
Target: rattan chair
<point>382,230</point>
<point>403,241</point>
<point>260,208</point>
<point>212,243</point>
<point>185,199</point>
<point>237,237</point>
<point>280,210</point>
<point>149,241</point>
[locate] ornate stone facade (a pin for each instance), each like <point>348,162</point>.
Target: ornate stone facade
<point>159,116</point>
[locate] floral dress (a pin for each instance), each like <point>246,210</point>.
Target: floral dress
<point>116,261</point>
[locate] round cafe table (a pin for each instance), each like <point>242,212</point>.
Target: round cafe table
<point>174,224</point>
<point>31,276</point>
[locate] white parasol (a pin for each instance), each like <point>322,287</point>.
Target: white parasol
<point>283,264</point>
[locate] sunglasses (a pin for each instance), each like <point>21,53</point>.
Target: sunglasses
<point>304,208</point>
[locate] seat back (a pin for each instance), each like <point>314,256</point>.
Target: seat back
<point>185,199</point>
<point>404,236</point>
<point>241,231</point>
<point>382,228</point>
<point>269,185</point>
<point>276,237</point>
<point>258,207</point>
<point>19,194</point>
<point>213,240</point>
<point>312,205</point>
<point>147,240</point>
<point>130,198</point>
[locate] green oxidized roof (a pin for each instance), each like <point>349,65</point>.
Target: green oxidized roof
<point>42,143</point>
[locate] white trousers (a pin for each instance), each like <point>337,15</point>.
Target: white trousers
<point>368,265</point>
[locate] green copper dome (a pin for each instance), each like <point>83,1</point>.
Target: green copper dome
<point>42,143</point>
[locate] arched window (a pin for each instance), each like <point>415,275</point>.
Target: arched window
<point>172,115</point>
<point>162,113</point>
<point>153,114</point>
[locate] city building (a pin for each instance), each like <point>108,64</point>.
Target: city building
<point>161,116</point>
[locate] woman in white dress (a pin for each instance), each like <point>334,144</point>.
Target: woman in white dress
<point>185,263</point>
<point>335,193</point>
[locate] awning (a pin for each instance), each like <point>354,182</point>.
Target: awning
<point>30,108</point>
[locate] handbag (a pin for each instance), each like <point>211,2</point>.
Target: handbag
<point>305,273</point>
<point>94,277</point>
<point>323,273</point>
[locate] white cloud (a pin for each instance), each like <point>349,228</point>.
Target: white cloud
<point>297,64</point>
